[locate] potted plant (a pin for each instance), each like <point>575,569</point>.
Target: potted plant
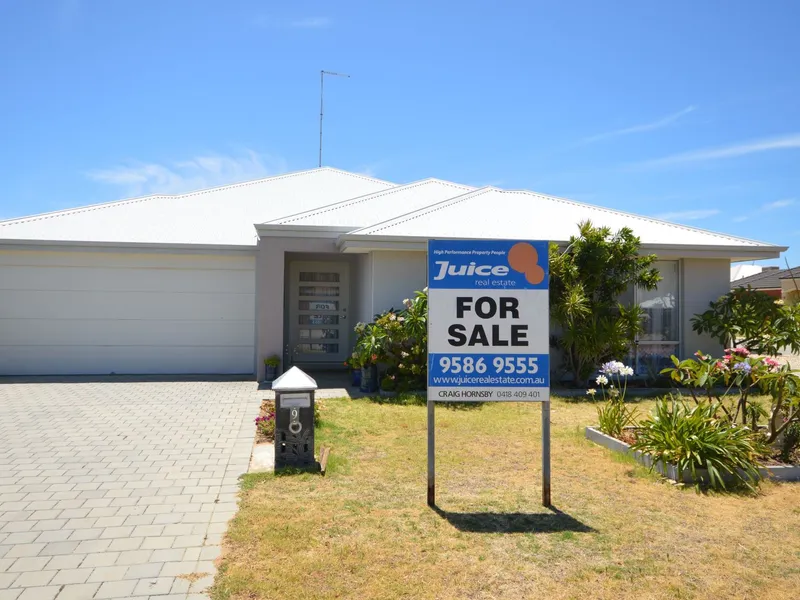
<point>369,348</point>
<point>355,369</point>
<point>272,363</point>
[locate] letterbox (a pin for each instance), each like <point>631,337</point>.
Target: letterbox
<point>294,420</point>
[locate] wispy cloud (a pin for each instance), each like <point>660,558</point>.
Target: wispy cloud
<point>138,178</point>
<point>741,219</point>
<point>299,23</point>
<point>778,204</point>
<point>688,215</point>
<point>785,142</point>
<point>653,125</point>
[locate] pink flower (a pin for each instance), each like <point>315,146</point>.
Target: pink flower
<point>739,350</point>
<point>721,365</point>
<point>773,364</point>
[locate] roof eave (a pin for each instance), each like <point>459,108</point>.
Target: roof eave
<point>77,245</point>
<point>276,230</point>
<point>367,243</point>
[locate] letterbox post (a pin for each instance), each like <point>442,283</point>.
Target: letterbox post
<point>294,420</point>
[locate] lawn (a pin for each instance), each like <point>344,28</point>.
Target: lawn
<point>364,531</point>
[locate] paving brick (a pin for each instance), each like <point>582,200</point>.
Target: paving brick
<point>91,546</point>
<point>116,589</point>
<point>125,544</point>
<point>134,557</point>
<point>34,578</point>
<point>145,570</point>
<point>22,550</point>
<point>67,561</point>
<point>102,574</point>
<point>56,548</point>
<point>83,591</point>
<point>7,579</point>
<point>100,559</point>
<point>40,593</point>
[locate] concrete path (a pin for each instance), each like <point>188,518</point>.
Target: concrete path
<point>118,489</point>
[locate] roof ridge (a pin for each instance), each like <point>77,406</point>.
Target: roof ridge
<point>633,215</point>
<point>360,199</point>
<point>421,212</point>
<point>138,199</point>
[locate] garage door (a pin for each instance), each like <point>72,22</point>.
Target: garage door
<point>101,313</point>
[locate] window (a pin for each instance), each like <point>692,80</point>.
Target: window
<point>661,326</point>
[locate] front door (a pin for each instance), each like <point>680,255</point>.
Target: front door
<point>319,294</point>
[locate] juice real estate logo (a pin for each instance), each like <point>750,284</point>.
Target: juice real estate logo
<point>488,330</point>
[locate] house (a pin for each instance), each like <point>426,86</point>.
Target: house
<point>215,280</point>
<point>773,281</point>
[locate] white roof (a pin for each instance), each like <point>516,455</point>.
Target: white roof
<point>373,208</point>
<point>491,213</point>
<point>363,212</point>
<point>218,216</point>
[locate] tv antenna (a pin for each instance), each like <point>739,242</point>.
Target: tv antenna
<point>322,105</point>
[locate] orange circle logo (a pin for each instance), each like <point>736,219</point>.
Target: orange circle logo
<point>524,258</point>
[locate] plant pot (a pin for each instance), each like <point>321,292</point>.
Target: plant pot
<point>355,378</point>
<point>369,379</point>
<point>271,373</point>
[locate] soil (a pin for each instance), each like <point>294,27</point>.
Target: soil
<point>267,407</point>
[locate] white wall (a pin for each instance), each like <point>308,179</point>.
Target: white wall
<point>362,288</point>
<point>395,277</point>
<point>702,281</point>
<point>102,312</point>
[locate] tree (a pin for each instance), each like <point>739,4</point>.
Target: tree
<point>751,319</point>
<point>587,279</point>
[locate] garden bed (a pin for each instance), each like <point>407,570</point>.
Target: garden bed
<point>670,471</point>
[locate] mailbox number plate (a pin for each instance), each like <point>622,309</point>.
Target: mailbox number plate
<point>296,401</point>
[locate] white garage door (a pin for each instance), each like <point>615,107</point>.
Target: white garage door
<point>101,313</point>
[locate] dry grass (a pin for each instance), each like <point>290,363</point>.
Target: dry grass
<point>364,531</point>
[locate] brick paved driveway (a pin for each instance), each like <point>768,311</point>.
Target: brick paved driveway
<point>115,489</point>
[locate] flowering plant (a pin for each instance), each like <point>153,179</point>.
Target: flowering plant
<point>712,379</point>
<point>265,425</point>
<point>610,373</point>
<point>614,415</point>
<point>398,340</point>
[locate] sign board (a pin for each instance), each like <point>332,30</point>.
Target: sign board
<point>488,321</point>
<point>295,400</point>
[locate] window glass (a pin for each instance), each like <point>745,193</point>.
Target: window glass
<point>660,306</point>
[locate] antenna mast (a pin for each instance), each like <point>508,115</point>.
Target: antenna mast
<point>322,104</point>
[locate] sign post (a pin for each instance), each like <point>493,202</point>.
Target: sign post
<point>488,331</point>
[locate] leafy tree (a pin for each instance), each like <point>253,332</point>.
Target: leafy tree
<point>753,320</point>
<point>587,279</point>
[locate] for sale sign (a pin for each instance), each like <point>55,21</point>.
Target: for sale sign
<point>488,321</point>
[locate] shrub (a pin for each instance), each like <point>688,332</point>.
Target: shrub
<point>790,442</point>
<point>398,340</point>
<point>696,438</point>
<point>753,320</point>
<point>586,280</point>
<point>265,424</point>
<point>710,379</point>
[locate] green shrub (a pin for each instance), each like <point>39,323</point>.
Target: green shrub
<point>614,416</point>
<point>753,320</point>
<point>695,438</point>
<point>790,442</point>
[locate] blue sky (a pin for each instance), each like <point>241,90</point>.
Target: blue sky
<point>686,110</point>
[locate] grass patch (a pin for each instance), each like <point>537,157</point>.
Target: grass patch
<point>364,531</point>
